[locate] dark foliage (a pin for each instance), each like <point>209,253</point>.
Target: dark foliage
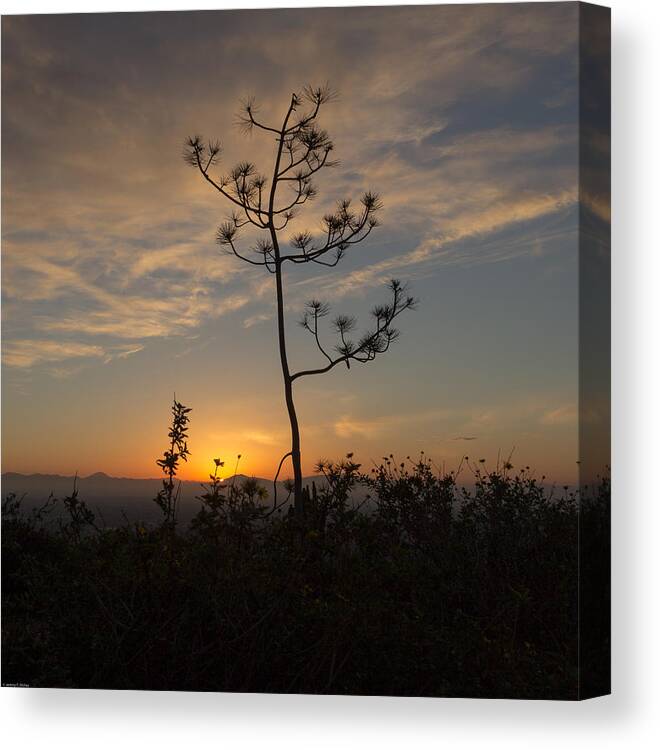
<point>427,589</point>
<point>167,499</point>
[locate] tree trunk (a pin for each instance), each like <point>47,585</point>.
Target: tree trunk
<point>288,396</point>
<point>295,450</point>
<point>288,383</point>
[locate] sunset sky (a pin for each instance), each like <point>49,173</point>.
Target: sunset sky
<point>115,295</point>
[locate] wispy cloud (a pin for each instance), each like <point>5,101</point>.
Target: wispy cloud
<point>345,427</point>
<point>563,415</point>
<point>348,426</point>
<point>444,249</point>
<point>120,246</point>
<point>140,318</point>
<point>128,352</point>
<point>254,320</point>
<point>261,438</point>
<point>24,353</point>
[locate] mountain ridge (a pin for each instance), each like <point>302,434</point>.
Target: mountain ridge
<point>102,476</point>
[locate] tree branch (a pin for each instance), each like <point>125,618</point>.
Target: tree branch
<point>372,343</point>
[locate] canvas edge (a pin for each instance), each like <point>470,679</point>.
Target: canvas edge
<point>594,410</point>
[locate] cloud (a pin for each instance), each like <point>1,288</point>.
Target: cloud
<point>562,415</point>
<point>505,143</point>
<point>443,250</point>
<point>24,353</point>
<point>107,234</point>
<point>598,203</point>
<point>129,352</point>
<point>254,320</point>
<point>261,438</point>
<point>345,427</point>
<point>174,257</point>
<point>137,318</point>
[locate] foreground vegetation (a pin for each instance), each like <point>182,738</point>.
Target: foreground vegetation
<point>427,589</point>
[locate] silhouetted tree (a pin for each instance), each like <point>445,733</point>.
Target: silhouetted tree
<point>302,150</point>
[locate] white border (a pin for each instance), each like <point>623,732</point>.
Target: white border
<point>103,719</point>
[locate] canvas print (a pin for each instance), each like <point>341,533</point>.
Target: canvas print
<point>305,351</point>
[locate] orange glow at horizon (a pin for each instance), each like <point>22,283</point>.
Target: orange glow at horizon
<point>255,462</point>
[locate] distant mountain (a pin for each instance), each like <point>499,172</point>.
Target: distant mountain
<point>115,498</point>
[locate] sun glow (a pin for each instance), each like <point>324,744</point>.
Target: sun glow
<point>257,462</point>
